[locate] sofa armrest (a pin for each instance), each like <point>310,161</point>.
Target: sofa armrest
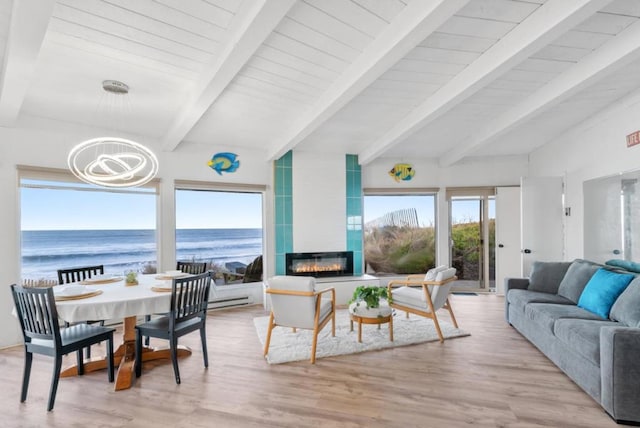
<point>515,283</point>
<point>620,372</point>
<point>512,284</point>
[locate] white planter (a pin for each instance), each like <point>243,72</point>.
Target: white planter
<point>361,309</point>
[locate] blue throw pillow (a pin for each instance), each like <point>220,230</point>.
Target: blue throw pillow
<point>602,290</point>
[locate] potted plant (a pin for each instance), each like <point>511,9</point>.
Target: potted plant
<point>367,298</point>
<point>131,277</point>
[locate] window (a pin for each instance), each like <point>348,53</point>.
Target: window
<point>400,233</point>
<point>223,228</point>
<point>65,223</point>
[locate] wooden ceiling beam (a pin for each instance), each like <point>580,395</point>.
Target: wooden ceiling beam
<point>254,22</point>
<point>547,23</point>
<point>27,28</point>
<point>608,58</point>
<point>408,29</point>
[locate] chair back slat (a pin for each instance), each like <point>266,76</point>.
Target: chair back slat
<point>194,268</point>
<point>66,276</point>
<point>37,313</point>
<point>190,297</point>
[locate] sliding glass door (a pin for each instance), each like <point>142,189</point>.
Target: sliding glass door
<point>472,238</point>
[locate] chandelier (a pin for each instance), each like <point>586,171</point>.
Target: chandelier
<point>112,161</point>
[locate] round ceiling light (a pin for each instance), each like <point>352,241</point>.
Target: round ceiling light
<point>113,162</point>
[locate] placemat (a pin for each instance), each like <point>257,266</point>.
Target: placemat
<point>81,296</point>
<point>170,277</point>
<point>101,281</point>
<point>161,289</point>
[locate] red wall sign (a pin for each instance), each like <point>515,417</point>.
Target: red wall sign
<point>633,139</point>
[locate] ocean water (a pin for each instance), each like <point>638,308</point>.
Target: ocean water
<point>46,251</point>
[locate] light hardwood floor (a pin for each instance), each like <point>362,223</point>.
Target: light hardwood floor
<point>494,378</point>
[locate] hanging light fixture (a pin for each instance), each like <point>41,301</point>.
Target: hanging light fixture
<point>112,161</point>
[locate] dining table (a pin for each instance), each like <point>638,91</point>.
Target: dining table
<point>110,298</point>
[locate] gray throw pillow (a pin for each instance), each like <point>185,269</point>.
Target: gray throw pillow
<point>626,309</point>
<point>576,278</point>
<point>546,276</point>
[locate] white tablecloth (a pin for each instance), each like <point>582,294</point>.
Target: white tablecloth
<point>117,301</point>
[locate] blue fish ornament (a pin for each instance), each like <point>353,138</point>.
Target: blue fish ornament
<point>224,162</point>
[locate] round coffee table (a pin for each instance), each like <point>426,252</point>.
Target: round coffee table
<point>364,315</point>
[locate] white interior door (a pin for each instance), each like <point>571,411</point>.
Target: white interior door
<point>542,223</point>
<point>603,238</point>
<point>508,246</point>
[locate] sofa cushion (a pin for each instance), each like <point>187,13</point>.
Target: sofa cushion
<point>626,308</point>
<point>544,315</point>
<point>576,278</point>
<point>602,290</point>
<point>624,264</point>
<point>521,298</point>
<point>583,336</point>
<point>547,276</point>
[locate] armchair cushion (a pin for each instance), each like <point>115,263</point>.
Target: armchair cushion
<point>431,273</point>
<point>404,293</point>
<point>445,274</point>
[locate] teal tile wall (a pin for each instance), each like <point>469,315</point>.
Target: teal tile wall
<point>283,210</point>
<point>354,213</point>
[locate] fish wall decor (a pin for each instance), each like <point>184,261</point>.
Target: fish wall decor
<point>224,162</point>
<point>402,172</point>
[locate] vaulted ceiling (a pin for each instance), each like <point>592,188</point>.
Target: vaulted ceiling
<point>433,79</point>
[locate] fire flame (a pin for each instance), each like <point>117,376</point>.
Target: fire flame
<point>316,267</point>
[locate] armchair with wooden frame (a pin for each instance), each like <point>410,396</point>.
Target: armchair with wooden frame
<point>295,303</point>
<point>423,297</point>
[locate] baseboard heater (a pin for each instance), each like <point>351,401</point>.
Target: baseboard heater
<point>230,302</point>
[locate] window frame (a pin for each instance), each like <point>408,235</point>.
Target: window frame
<point>212,186</point>
<point>71,182</point>
<point>415,191</point>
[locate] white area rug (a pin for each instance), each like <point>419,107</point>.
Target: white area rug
<point>287,346</point>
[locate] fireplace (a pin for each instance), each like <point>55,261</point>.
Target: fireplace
<point>327,264</point>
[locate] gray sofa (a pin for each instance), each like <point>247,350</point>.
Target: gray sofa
<point>601,355</point>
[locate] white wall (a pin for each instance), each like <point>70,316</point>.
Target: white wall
<point>499,171</point>
<point>49,148</point>
<point>595,148</point>
<point>319,202</point>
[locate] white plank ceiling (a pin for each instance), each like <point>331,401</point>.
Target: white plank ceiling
<point>433,79</point>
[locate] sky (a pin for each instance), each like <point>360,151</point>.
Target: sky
<point>44,209</point>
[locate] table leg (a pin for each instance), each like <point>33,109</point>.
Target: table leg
<point>124,357</point>
<point>359,330</point>
<point>391,327</point>
<point>124,376</point>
